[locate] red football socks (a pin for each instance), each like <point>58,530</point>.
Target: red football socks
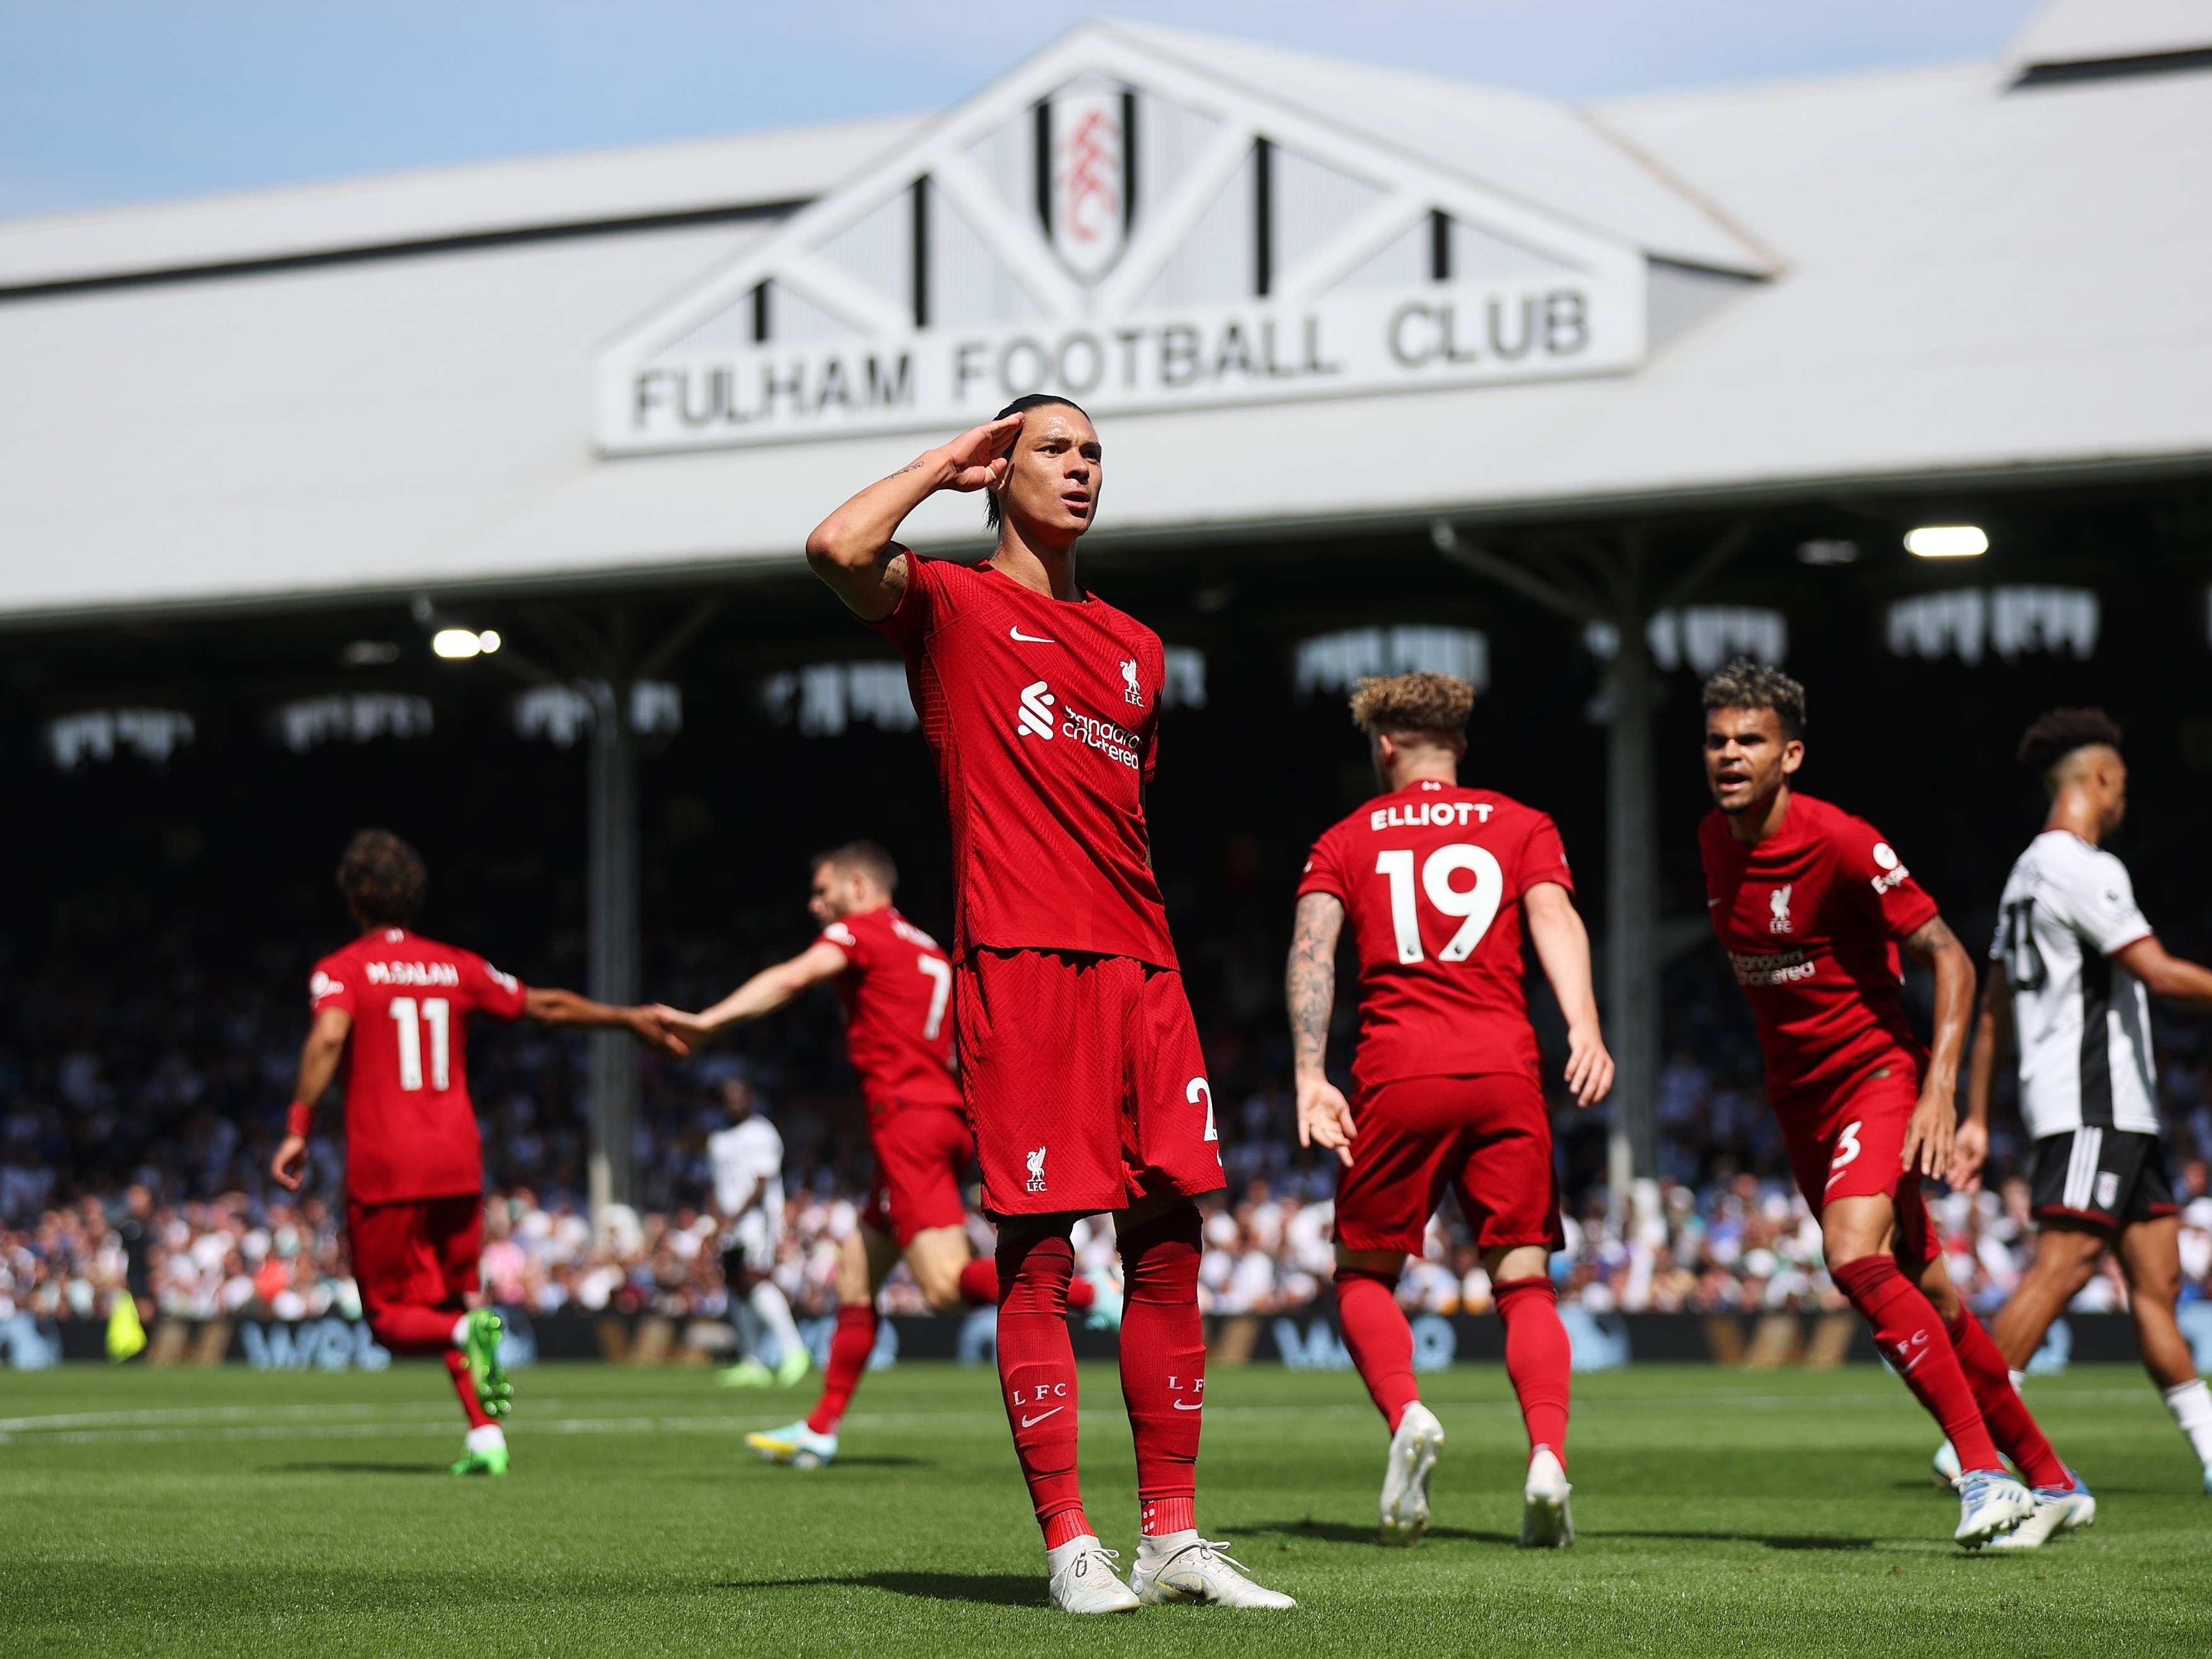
<point>1082,1293</point>
<point>849,1352</point>
<point>408,1327</point>
<point>2010,1423</point>
<point>1912,1339</point>
<point>1539,1359</point>
<point>1037,1369</point>
<point>1378,1339</point>
<point>979,1283</point>
<point>464,1385</point>
<point>1163,1365</point>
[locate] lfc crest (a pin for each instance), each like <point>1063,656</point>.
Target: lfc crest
<point>1085,143</point>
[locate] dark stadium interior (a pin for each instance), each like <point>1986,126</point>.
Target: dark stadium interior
<point>163,916</point>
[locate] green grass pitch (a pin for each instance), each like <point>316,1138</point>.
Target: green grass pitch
<point>227,1512</point>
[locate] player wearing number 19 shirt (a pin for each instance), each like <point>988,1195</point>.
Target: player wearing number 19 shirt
<point>1435,880</point>
<point>1079,1061</point>
<point>397,1005</point>
<point>1812,905</point>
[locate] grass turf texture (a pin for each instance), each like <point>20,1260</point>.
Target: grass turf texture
<point>206,1512</point>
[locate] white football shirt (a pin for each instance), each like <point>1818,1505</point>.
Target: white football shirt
<point>2081,1019</point>
<point>748,1158</point>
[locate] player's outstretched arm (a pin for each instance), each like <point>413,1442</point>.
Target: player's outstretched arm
<point>1563,946</point>
<point>318,1064</point>
<point>567,1008</point>
<point>851,549</point>
<point>763,993</point>
<point>2165,976</point>
<point>1971,1148</point>
<point>1934,1124</point>
<point>1309,989</point>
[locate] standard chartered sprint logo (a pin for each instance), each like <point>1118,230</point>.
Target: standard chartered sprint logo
<point>1034,719</point>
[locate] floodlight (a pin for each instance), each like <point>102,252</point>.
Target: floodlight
<point>1946,541</point>
<point>456,642</point>
<point>487,641</point>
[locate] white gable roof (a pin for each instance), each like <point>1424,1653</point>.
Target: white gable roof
<point>1974,279</point>
<point>2109,31</point>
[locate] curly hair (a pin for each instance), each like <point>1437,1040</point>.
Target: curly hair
<point>1744,683</point>
<point>383,878</point>
<point>992,513</point>
<point>863,858</point>
<point>1433,705</point>
<point>2058,732</point>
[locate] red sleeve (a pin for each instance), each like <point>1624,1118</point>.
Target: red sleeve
<point>490,992</point>
<point>331,985</point>
<point>1544,856</point>
<point>846,938</point>
<point>914,619</point>
<point>1323,872</point>
<point>1880,887</point>
<point>1158,665</point>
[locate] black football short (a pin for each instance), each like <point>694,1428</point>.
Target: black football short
<point>2102,1178</point>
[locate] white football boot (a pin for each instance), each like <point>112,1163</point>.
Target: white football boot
<point>1080,1578</point>
<point>1990,1504</point>
<point>795,1445</point>
<point>1184,1567</point>
<point>2057,1510</point>
<point>1413,1450</point>
<point>1546,1523</point>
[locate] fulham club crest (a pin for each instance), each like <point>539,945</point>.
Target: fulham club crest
<point>1085,184</point>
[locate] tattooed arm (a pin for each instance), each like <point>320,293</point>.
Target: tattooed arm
<point>1309,988</point>
<point>1935,1119</point>
<point>851,549</point>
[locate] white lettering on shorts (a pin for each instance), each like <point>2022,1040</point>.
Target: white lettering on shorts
<point>1200,1090</point>
<point>1847,1152</point>
<point>1036,1171</point>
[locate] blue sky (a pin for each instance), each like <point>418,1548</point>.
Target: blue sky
<point>116,100</point>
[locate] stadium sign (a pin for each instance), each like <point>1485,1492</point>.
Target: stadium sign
<point>1114,225</point>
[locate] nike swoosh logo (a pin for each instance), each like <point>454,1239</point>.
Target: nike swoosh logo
<point>1031,1422</point>
<point>1029,639</point>
<point>1180,1407</point>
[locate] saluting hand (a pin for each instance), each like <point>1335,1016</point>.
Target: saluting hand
<point>979,456</point>
<point>1325,1117</point>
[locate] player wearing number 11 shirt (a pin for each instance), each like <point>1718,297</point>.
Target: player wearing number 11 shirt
<point>1079,1061</point>
<point>397,1005</point>
<point>1812,906</point>
<point>1436,881</point>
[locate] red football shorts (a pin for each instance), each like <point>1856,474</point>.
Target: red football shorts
<point>415,1253</point>
<point>1487,1137</point>
<point>920,1153</point>
<point>1085,1085</point>
<point>1852,1145</point>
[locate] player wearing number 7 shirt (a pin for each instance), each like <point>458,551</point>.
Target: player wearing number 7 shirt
<point>1435,880</point>
<point>1812,905</point>
<point>895,986</point>
<point>1079,1061</point>
<point>397,1003</point>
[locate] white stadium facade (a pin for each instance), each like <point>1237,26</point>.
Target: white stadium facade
<point>1392,371</point>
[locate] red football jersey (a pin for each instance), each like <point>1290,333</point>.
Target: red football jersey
<point>1432,878</point>
<point>1044,714</point>
<point>411,1129</point>
<point>896,990</point>
<point>1810,917</point>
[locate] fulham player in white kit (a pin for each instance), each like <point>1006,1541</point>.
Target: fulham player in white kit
<point>747,1160</point>
<point>2072,970</point>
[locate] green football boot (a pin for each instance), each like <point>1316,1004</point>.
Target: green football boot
<point>481,1344</point>
<point>491,1460</point>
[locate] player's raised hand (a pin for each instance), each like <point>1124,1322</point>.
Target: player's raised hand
<point>1929,1136</point>
<point>288,1169</point>
<point>979,457</point>
<point>1325,1117</point>
<point>1589,1067</point>
<point>1970,1151</point>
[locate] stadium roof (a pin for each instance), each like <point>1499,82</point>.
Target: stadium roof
<point>1987,272</point>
